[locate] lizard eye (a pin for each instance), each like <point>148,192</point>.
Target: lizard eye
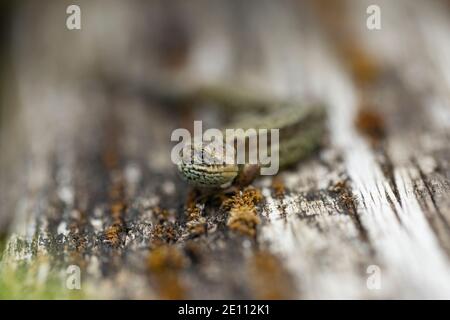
<point>203,165</point>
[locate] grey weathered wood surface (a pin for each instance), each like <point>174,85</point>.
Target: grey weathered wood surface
<point>91,184</point>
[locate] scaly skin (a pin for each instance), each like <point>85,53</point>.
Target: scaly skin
<point>301,130</point>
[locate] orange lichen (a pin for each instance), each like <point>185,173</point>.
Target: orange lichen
<point>197,227</point>
<point>244,220</point>
<point>112,234</point>
<point>362,66</point>
<point>243,216</point>
<point>166,258</point>
<point>345,197</point>
<point>371,124</point>
<point>117,207</point>
<point>269,279</point>
<point>278,187</point>
<point>249,196</point>
<point>164,263</point>
<point>193,213</point>
<point>110,158</point>
<point>164,233</point>
<point>161,215</point>
<point>74,235</point>
<point>196,223</point>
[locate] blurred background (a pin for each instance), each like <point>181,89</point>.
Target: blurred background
<point>85,147</point>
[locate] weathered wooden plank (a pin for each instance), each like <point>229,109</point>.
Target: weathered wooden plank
<point>98,190</point>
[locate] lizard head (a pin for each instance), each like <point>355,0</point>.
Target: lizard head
<point>203,165</point>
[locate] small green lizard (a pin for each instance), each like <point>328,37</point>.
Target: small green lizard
<point>302,128</point>
<point>301,132</point>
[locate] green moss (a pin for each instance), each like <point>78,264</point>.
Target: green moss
<point>23,283</point>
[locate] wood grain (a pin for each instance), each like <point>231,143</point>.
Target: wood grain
<point>95,186</point>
